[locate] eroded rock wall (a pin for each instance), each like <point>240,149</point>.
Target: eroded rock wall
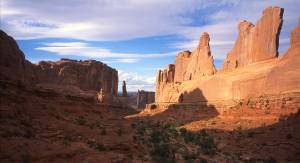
<point>256,43</point>
<point>252,68</point>
<point>181,63</point>
<point>188,66</point>
<point>87,75</point>
<point>201,62</point>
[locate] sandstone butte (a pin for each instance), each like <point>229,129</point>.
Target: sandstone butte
<point>65,74</point>
<point>251,69</point>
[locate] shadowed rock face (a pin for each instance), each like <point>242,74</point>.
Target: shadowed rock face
<point>86,75</point>
<point>251,69</point>
<point>256,43</point>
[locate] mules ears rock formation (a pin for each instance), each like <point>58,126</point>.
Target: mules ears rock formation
<point>86,75</point>
<point>252,68</point>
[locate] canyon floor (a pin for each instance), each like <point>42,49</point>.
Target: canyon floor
<point>39,125</point>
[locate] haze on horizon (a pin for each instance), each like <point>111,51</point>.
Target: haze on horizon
<point>135,37</point>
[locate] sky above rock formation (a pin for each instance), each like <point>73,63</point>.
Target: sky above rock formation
<point>135,37</point>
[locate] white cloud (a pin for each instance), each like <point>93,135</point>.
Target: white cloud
<point>223,24</point>
<point>122,20</point>
<point>127,60</point>
<point>85,50</point>
<point>96,19</point>
<point>135,81</point>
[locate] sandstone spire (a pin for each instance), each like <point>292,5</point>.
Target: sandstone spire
<point>202,62</point>
<point>295,35</point>
<point>124,91</point>
<point>256,43</point>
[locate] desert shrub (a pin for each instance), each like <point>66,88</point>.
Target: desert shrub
<point>238,131</point>
<point>81,120</point>
<point>162,153</point>
<point>100,147</point>
<point>67,139</point>
<point>119,132</point>
<point>262,125</point>
<point>102,131</point>
<point>96,146</point>
<point>164,140</point>
<point>251,134</point>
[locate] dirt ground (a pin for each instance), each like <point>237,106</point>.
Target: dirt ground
<point>45,126</point>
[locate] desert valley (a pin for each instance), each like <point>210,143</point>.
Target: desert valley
<point>70,110</point>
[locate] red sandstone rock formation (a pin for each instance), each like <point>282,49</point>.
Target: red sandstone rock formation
<point>14,66</point>
<point>87,75</point>
<point>124,90</point>
<point>188,66</point>
<point>181,63</point>
<point>201,62</point>
<point>256,43</point>
<point>267,77</point>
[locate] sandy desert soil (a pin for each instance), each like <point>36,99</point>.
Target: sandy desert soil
<point>45,126</point>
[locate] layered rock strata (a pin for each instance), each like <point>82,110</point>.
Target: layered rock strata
<point>251,69</point>
<point>256,43</point>
<point>87,75</point>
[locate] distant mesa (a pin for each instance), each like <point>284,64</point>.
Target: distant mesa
<point>89,75</point>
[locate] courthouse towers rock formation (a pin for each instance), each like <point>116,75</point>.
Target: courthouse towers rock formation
<point>251,69</point>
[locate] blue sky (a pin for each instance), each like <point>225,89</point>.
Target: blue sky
<point>135,37</point>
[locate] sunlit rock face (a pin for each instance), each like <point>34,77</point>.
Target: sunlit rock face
<point>87,75</point>
<point>251,69</point>
<point>201,63</point>
<point>256,43</point>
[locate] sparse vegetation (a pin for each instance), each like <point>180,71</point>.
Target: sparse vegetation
<point>97,146</point>
<point>165,140</point>
<point>251,134</point>
<point>81,120</point>
<point>67,139</point>
<point>102,131</point>
<point>238,131</point>
<point>119,131</point>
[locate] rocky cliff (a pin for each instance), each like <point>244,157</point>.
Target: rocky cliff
<point>256,43</point>
<point>188,66</point>
<point>202,62</point>
<point>87,75</point>
<point>251,69</point>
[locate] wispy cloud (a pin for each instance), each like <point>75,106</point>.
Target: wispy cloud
<point>85,50</point>
<point>97,19</point>
<point>222,25</point>
<point>135,81</point>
